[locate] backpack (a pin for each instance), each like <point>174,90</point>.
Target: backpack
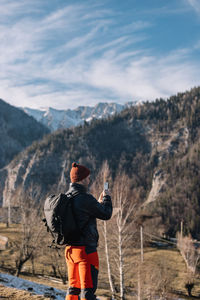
<point>60,220</point>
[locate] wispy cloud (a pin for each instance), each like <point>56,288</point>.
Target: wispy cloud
<point>79,54</point>
<point>195,4</point>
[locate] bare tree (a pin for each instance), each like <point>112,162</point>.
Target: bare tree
<point>54,259</point>
<point>191,257</point>
<point>126,211</point>
<point>97,187</point>
<point>58,264</point>
<point>102,176</point>
<point>188,251</point>
<point>107,253</point>
<point>119,231</point>
<point>62,184</point>
<point>26,246</point>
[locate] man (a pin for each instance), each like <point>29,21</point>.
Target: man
<point>81,257</point>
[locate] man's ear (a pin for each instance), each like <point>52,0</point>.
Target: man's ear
<point>84,181</point>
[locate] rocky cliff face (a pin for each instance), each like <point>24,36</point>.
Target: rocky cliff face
<point>29,173</point>
<point>17,131</point>
<point>166,146</point>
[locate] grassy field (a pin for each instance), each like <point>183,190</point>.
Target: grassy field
<point>161,267</point>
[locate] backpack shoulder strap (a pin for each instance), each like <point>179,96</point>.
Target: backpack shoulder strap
<point>70,195</point>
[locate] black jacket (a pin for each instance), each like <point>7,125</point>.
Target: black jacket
<point>86,210</point>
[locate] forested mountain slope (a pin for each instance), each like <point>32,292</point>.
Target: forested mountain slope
<point>157,144</point>
<point>17,131</point>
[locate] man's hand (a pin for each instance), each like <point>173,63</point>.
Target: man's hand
<point>104,193</point>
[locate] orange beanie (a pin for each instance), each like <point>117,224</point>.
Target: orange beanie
<point>78,172</point>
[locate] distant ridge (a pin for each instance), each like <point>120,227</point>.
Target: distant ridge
<point>58,119</point>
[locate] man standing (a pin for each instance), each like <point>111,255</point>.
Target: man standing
<point>81,257</point>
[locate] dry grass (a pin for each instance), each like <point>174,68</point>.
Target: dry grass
<point>175,266</point>
<point>165,262</point>
<point>14,294</point>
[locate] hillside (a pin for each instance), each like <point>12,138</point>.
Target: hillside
<point>156,144</point>
<point>168,263</point>
<point>17,131</point>
<point>44,166</point>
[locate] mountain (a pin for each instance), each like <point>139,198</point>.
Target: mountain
<point>56,119</point>
<point>17,131</point>
<point>156,143</point>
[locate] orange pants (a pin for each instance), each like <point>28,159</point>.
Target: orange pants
<point>83,266</point>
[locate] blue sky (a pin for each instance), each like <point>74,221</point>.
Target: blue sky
<point>63,53</point>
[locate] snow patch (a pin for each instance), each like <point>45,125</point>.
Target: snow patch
<point>31,287</point>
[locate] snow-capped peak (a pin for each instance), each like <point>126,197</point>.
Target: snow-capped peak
<point>55,119</point>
